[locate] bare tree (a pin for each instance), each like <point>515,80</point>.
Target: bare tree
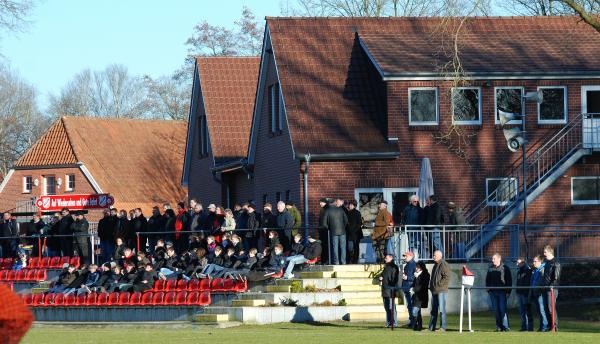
<point>14,13</point>
<point>21,123</point>
<point>250,33</point>
<point>168,97</point>
<point>588,10</point>
<point>112,92</point>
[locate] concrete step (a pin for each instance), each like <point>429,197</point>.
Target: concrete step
<point>360,287</point>
<point>361,294</point>
<point>354,274</point>
<point>316,274</point>
<point>348,267</point>
<point>38,290</point>
<point>278,288</point>
<point>248,303</point>
<point>364,301</point>
<point>211,318</point>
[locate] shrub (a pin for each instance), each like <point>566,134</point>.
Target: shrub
<point>289,302</point>
<point>342,302</point>
<point>580,274</point>
<point>296,287</point>
<point>310,289</point>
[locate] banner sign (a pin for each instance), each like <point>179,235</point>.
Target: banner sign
<point>74,202</point>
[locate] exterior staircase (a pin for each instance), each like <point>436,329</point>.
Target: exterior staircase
<point>544,165</point>
<point>325,293</point>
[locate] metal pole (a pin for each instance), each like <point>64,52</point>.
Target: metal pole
<point>524,165</point>
<point>306,214</point>
<point>93,253</point>
<point>462,301</point>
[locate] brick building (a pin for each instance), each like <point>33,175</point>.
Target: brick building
<point>138,162</point>
<point>350,106</point>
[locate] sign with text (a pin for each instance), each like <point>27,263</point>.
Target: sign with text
<point>74,202</point>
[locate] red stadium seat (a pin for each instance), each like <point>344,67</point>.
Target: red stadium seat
<point>41,275</point>
<point>113,299</point>
<point>34,263</point>
<point>75,261</point>
<point>241,286</point>
<point>278,274</point>
<point>192,298</point>
<point>30,276</point>
<point>216,284</point>
<point>49,299</point>
<point>21,275</point>
<point>158,298</point>
<point>182,285</point>
<point>204,284</point>
<point>229,284</point>
<point>12,275</point>
<point>135,299</point>
<point>81,300</point>
<point>193,285</point>
<point>124,298</point>
<point>59,300</point>
<point>91,299</point>
<point>147,299</point>
<point>171,285</point>
<point>170,298</point>
<point>45,263</point>
<point>181,298</point>
<point>102,299</point>
<point>204,299</point>
<point>70,300</point>
<point>28,299</point>
<point>38,300</point>
<point>7,263</point>
<point>4,275</point>
<point>159,285</point>
<point>59,262</point>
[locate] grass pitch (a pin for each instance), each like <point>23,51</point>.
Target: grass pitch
<point>572,330</point>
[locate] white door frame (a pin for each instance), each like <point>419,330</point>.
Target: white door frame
<point>590,126</point>
<point>387,193</point>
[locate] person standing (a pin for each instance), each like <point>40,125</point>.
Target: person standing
<point>81,230</point>
<point>285,223</point>
<point>408,275</point>
<point>413,216</point>
<point>253,226</point>
<point>106,234</point>
<point>268,222</point>
<point>438,284</point>
<point>458,238</point>
<point>420,294</point>
<point>335,221</point>
<point>389,283</point>
<point>34,230</point>
<point>65,228</point>
<point>524,280</point>
<point>323,205</point>
<point>156,225</point>
<point>551,280</point>
<point>291,207</point>
<point>435,218</point>
<point>139,224</point>
<point>499,276</point>
<point>182,226</point>
<point>536,294</point>
<point>383,221</point>
<point>353,232</point>
<point>8,229</point>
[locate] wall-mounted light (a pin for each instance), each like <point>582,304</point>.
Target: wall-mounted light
<point>36,182</point>
<point>59,182</point>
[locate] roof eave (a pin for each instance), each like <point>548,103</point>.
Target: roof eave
<point>348,156</point>
<point>493,76</point>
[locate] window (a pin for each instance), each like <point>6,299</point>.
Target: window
<point>275,109</point>
<point>585,190</point>
<point>277,197</point>
<point>509,99</point>
<point>70,182</point>
<point>287,196</point>
<point>499,191</point>
<point>203,140</point>
<point>27,184</point>
<point>423,106</point>
<point>466,105</point>
<point>49,185</point>
<point>553,109</point>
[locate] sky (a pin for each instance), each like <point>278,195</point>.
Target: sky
<point>147,36</point>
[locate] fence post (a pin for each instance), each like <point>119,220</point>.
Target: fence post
<point>93,253</point>
<point>444,248</point>
<point>138,241</point>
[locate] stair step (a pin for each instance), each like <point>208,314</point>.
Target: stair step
<point>364,301</point>
<point>211,318</point>
<point>354,274</point>
<point>278,288</point>
<point>357,268</point>
<point>247,303</point>
<point>360,287</point>
<point>316,274</point>
<point>362,294</point>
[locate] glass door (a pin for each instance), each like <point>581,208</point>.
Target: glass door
<point>590,104</point>
<point>368,202</point>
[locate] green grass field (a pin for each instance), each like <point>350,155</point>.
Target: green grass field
<point>573,330</point>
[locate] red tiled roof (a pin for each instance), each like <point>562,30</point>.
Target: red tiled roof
<point>487,45</point>
<point>324,74</point>
<point>228,87</point>
<point>137,161</point>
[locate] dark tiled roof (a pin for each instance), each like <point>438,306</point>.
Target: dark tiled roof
<point>228,87</point>
<point>494,45</point>
<point>139,162</point>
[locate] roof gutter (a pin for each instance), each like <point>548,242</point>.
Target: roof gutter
<point>348,156</point>
<point>492,76</point>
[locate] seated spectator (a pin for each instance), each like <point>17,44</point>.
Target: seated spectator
<point>263,258</point>
<point>245,266</point>
<point>91,278</point>
<point>210,244</point>
<point>128,257</point>
<point>277,261</point>
<point>104,281</point>
<point>273,239</point>
<point>229,224</point>
<point>142,260</point>
<point>65,279</point>
<point>236,244</point>
<point>215,264</point>
<point>118,279</point>
<point>297,246</point>
<point>145,279</point>
<point>229,261</point>
<point>195,242</point>
<point>173,266</point>
<point>311,251</point>
<point>119,250</point>
<point>198,264</point>
<point>21,262</point>
<point>130,273</point>
<point>160,248</point>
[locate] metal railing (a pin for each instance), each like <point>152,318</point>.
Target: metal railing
<point>41,243</point>
<point>570,242</point>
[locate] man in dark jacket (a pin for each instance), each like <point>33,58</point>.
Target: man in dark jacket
<point>323,205</point>
<point>408,275</point>
<point>353,231</point>
<point>106,234</point>
<point>8,228</point>
<point>285,223</point>
<point>389,284</point>
<point>291,207</point>
<point>81,240</point>
<point>335,221</point>
<point>139,224</point>
<point>524,280</point>
<point>145,278</point>
<point>420,294</point>
<point>551,279</point>
<point>434,217</point>
<point>65,228</point>
<point>499,276</point>
<point>156,224</point>
<point>438,284</point>
<point>310,252</point>
<point>413,216</point>
<point>253,224</point>
<point>182,224</point>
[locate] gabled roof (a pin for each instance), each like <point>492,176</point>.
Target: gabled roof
<point>488,46</point>
<point>137,161</point>
<point>228,86</point>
